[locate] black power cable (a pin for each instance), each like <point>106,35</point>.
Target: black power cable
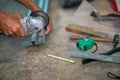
<point>113,76</point>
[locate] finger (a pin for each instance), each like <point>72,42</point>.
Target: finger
<point>22,32</point>
<point>6,33</point>
<point>18,33</point>
<point>11,34</point>
<point>14,32</point>
<point>49,27</point>
<point>47,31</point>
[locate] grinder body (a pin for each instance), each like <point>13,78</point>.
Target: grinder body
<point>35,25</point>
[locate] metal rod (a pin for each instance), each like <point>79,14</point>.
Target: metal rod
<point>114,59</point>
<point>46,6</point>
<point>41,4</point>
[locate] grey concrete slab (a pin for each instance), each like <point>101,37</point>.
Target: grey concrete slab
<point>32,63</point>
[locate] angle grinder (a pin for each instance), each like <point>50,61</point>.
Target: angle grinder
<point>35,22</point>
<point>34,26</point>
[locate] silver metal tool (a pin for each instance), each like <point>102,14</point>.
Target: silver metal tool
<point>34,25</point>
<point>106,57</point>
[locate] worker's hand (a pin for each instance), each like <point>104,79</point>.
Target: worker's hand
<point>49,27</point>
<point>34,7</point>
<point>10,25</point>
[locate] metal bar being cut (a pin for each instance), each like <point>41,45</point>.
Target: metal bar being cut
<point>114,59</point>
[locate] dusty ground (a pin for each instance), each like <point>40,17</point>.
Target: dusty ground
<point>32,63</point>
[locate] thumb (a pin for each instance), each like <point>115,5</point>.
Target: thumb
<point>49,27</point>
<point>47,31</point>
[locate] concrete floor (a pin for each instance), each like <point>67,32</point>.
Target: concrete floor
<point>32,63</point>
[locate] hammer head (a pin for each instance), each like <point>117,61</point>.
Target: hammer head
<point>95,14</point>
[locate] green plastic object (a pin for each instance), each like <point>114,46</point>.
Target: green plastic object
<point>85,43</point>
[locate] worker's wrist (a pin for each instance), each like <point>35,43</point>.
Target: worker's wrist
<point>30,4</point>
<point>35,7</point>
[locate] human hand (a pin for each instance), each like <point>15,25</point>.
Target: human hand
<point>49,27</point>
<point>10,24</point>
<point>34,7</point>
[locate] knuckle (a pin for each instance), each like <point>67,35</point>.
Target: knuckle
<point>10,33</point>
<point>14,30</point>
<point>6,34</point>
<point>18,15</point>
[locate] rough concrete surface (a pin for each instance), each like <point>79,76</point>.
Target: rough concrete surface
<point>32,63</point>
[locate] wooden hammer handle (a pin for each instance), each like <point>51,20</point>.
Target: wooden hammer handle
<point>86,30</point>
<point>76,37</point>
